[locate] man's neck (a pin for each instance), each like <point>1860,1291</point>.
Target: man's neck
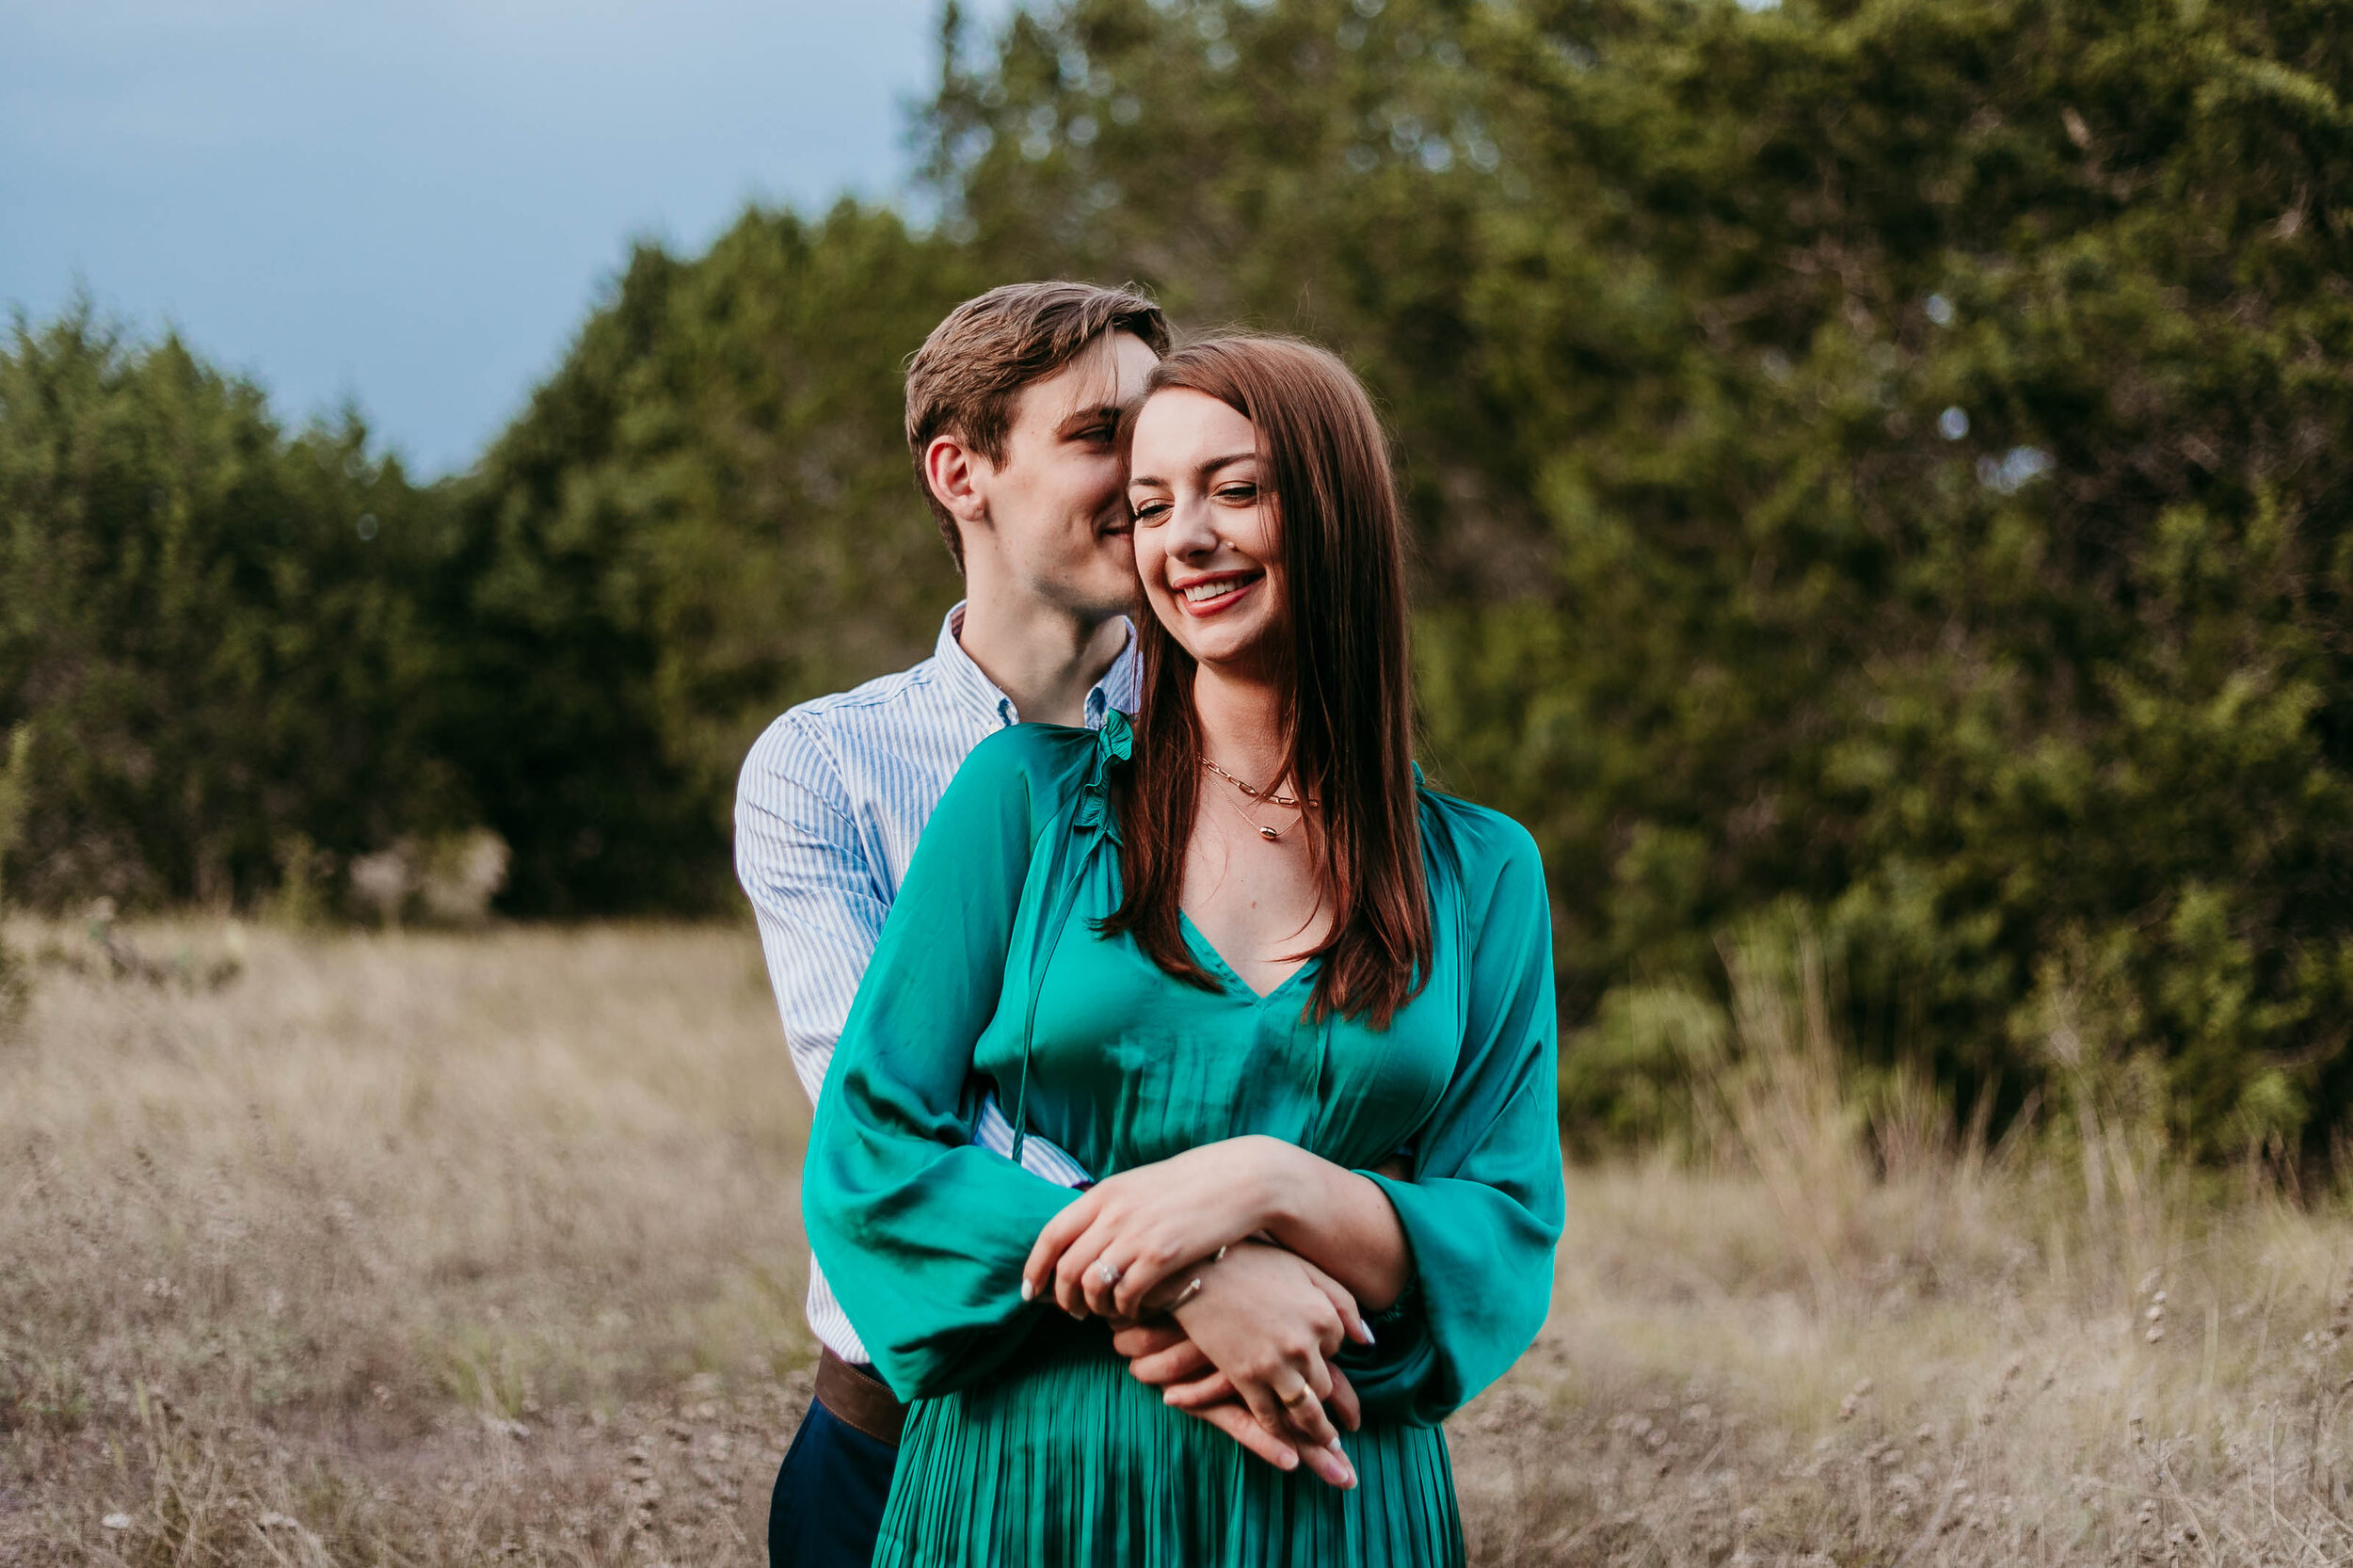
<point>1044,658</point>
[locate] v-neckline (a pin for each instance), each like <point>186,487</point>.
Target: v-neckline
<point>1204,948</point>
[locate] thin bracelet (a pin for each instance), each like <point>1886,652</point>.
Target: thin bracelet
<point>1193,1286</point>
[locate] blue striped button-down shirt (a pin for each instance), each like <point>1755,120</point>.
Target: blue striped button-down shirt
<point>827,811</point>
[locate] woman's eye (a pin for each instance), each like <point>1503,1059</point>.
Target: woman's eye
<point>1148,511</point>
<point>1239,494</point>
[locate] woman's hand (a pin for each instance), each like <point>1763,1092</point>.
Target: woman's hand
<point>1108,1251</point>
<point>1263,1328</point>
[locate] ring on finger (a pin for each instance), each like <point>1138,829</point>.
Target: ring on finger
<point>1108,1273</point>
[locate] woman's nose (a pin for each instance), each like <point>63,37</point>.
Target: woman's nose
<point>1189,529</point>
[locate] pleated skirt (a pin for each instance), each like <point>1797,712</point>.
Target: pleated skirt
<point>1064,1460</point>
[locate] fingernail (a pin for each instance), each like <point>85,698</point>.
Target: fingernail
<point>1289,1462</point>
<point>1078,1317</point>
<point>1366,1329</point>
<point>1029,1290</point>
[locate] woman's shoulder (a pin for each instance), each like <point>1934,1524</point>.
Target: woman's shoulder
<point>1483,863</point>
<point>1483,840</point>
<point>1044,750</point>
<point>1051,764</point>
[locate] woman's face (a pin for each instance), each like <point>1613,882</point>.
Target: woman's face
<point>1205,528</point>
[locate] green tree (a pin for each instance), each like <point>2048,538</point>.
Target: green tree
<point>1954,542</point>
<point>705,516</point>
<point>208,630</point>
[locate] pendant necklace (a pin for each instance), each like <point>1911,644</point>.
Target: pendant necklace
<point>1274,797</point>
<point>1265,832</point>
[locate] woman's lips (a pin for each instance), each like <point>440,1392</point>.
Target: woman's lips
<point>1218,603</point>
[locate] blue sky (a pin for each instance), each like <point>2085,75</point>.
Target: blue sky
<point>414,203</point>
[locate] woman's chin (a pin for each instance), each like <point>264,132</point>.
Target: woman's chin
<point>1239,651</point>
<point>1236,641</point>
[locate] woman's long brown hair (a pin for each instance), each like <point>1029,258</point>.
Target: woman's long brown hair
<point>1348,725</point>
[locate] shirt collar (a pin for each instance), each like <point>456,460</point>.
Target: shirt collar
<point>974,690</point>
<point>966,680</point>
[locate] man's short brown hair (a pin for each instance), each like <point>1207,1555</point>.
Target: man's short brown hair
<point>969,371</point>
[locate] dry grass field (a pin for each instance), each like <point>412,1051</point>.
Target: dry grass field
<point>419,1249</point>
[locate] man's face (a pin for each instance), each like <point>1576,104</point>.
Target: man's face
<point>1057,520</point>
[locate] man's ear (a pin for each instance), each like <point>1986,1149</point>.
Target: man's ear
<point>959,477</point>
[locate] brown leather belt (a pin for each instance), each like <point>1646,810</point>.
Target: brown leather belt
<point>858,1399</point>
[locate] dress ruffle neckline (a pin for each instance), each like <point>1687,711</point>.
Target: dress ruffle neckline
<point>1115,743</point>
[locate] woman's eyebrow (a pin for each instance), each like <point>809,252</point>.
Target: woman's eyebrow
<point>1205,470</point>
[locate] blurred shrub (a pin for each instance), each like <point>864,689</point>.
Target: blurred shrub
<point>13,802</point>
<point>448,879</point>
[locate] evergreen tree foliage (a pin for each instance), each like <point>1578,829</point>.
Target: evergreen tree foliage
<point>212,655</point>
<point>1955,539</point>
<point>706,514</point>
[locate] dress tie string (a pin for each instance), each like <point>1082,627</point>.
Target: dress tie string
<point>1092,827</point>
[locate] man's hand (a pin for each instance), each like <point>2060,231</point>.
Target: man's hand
<point>1161,1355</point>
<point>1252,1348</point>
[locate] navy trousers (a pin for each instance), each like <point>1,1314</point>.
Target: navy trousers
<point>828,1507</point>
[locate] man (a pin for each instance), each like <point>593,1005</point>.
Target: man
<point>1011,404</point>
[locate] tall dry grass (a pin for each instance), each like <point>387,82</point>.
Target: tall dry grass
<point>390,1248</point>
<point>420,1250</point>
<point>1844,1331</point>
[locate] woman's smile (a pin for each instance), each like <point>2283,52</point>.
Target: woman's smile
<point>1212,596</point>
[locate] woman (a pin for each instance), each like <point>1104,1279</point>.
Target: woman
<point>1236,959</point>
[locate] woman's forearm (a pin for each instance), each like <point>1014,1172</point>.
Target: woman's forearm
<point>1339,1221</point>
<point>1132,1233</point>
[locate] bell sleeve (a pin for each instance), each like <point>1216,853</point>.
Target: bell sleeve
<point>1484,1205</point>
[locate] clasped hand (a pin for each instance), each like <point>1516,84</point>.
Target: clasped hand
<point>1127,1236</point>
<point>1249,1351</point>
<point>1251,1354</point>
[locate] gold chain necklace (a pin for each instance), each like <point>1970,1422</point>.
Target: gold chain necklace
<point>1271,796</point>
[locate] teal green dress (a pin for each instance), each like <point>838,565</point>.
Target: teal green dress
<point>1027,1441</point>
